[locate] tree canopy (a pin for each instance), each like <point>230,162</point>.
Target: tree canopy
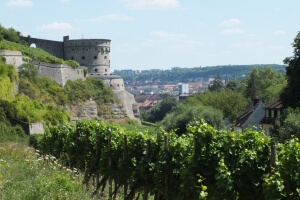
<point>231,103</point>
<point>160,110</point>
<point>264,84</point>
<point>291,93</point>
<point>217,84</point>
<point>185,114</point>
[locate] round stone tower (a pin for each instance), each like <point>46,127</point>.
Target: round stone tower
<point>91,53</point>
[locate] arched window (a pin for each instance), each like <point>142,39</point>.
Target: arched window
<point>33,45</point>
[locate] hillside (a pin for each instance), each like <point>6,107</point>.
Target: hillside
<point>9,40</point>
<point>178,74</point>
<point>26,97</point>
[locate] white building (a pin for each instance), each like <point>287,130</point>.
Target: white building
<point>183,88</point>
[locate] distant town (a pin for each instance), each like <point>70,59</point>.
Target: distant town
<point>148,86</point>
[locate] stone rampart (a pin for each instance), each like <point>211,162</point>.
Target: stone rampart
<point>12,58</point>
<point>113,81</point>
<point>60,73</point>
<point>129,103</point>
<point>36,128</point>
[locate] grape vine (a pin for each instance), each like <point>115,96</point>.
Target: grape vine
<point>204,163</point>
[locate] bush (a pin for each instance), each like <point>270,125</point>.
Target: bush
<point>185,114</point>
<point>288,126</point>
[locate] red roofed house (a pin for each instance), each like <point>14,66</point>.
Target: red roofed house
<point>272,111</point>
<point>250,117</point>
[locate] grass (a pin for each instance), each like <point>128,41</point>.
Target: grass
<point>35,53</point>
<point>25,174</point>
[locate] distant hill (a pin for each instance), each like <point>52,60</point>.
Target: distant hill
<point>178,74</point>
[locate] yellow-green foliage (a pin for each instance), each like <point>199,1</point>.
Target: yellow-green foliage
<point>27,110</point>
<point>6,88</point>
<point>8,76</point>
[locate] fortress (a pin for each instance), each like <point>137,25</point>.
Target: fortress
<point>91,54</point>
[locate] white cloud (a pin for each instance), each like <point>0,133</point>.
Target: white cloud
<point>150,4</point>
<point>18,3</point>
<point>231,22</point>
<point>227,53</point>
<point>118,17</point>
<point>232,31</point>
<point>276,47</point>
<point>64,1</point>
<point>55,26</point>
<point>279,32</point>
<point>247,44</point>
<point>114,17</point>
<point>251,35</point>
<point>166,35</point>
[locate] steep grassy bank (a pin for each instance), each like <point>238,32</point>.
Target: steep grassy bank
<point>25,174</point>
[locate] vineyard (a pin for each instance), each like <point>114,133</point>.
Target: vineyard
<point>204,163</point>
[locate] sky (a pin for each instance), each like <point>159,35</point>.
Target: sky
<point>161,34</point>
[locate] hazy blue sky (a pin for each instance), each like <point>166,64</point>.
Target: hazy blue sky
<point>151,34</point>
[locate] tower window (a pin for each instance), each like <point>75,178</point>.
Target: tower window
<point>105,57</point>
<point>82,57</point>
<point>96,70</point>
<point>95,57</point>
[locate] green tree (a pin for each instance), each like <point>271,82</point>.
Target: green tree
<point>291,93</point>
<point>28,71</point>
<point>264,84</point>
<point>184,114</point>
<point>233,85</point>
<point>229,102</point>
<point>288,125</point>
<point>252,84</point>
<point>217,84</point>
<point>160,110</point>
<point>9,34</point>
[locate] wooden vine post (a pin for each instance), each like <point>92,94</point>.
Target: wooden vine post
<point>97,160</point>
<point>273,154</point>
<point>125,159</point>
<point>146,189</point>
<point>195,174</point>
<point>166,145</point>
<point>109,164</point>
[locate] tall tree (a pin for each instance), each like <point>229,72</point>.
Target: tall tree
<point>217,84</point>
<point>291,93</point>
<point>265,84</point>
<point>252,84</point>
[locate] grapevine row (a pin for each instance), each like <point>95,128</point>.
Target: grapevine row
<point>204,163</point>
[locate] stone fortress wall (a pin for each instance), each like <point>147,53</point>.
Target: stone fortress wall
<point>90,53</point>
<point>60,73</point>
<point>53,47</point>
<point>12,58</point>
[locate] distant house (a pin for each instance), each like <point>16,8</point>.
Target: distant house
<point>252,116</point>
<point>272,111</point>
<point>148,104</point>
